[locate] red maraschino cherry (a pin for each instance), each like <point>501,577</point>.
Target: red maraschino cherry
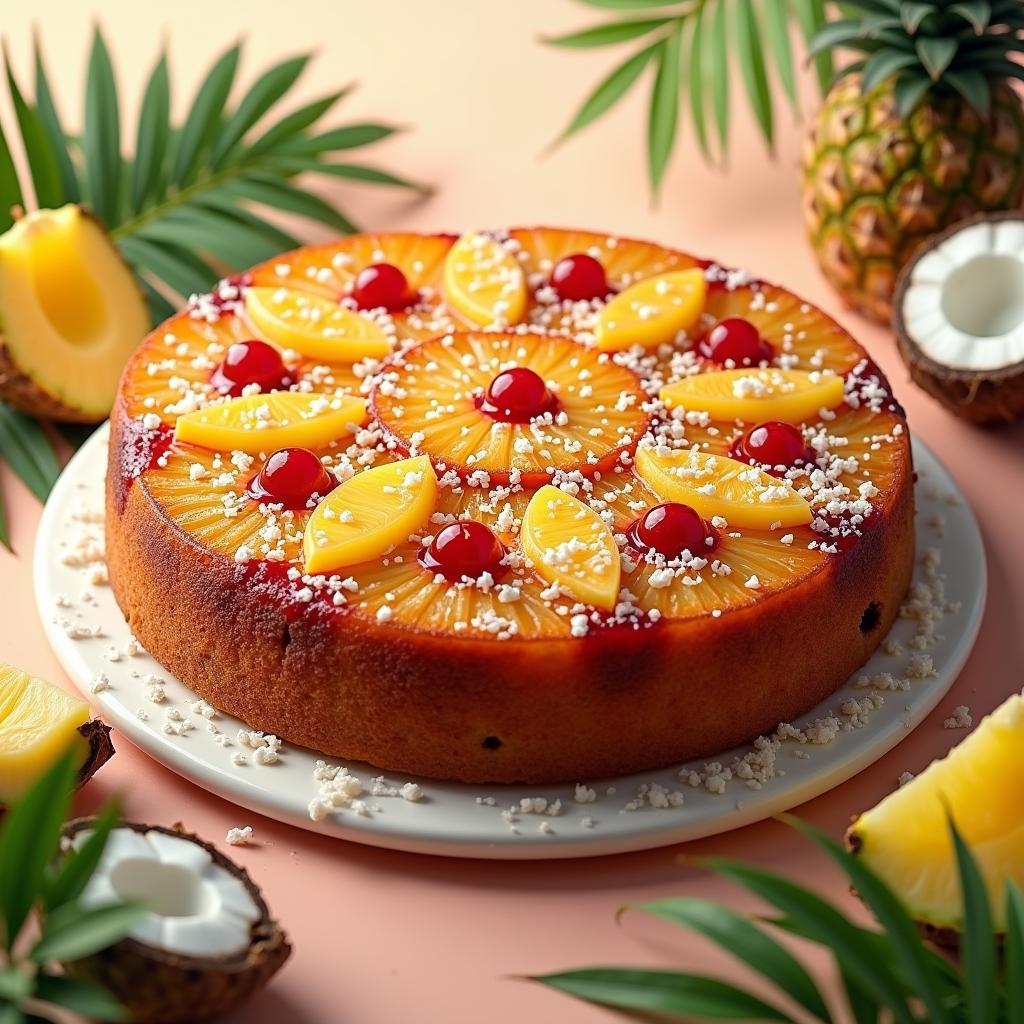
<point>290,477</point>
<point>250,362</point>
<point>382,286</point>
<point>464,549</point>
<point>774,445</point>
<point>579,277</point>
<point>517,395</point>
<point>670,529</point>
<point>736,341</point>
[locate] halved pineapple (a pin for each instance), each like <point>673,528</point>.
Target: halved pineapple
<point>906,838</point>
<point>430,401</point>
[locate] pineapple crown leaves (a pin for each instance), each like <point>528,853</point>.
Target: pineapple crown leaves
<point>691,44</point>
<point>37,877</point>
<point>888,975</point>
<point>929,46</point>
<point>187,205</point>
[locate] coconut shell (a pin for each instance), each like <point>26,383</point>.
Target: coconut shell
<point>158,987</point>
<point>983,397</point>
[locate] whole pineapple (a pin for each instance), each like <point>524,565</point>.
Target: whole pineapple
<point>922,130</point>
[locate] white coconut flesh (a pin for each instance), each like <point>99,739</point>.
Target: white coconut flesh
<point>964,301</point>
<point>196,907</point>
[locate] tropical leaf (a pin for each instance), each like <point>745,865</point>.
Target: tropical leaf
<point>47,111</point>
<point>26,448</point>
<point>101,137</point>
<point>152,137</point>
<point>71,932</point>
<point>759,32</point>
<point>5,537</point>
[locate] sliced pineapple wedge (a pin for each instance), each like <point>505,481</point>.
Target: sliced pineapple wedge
<point>715,485</point>
<point>791,396</point>
<point>906,839</point>
<point>264,423</point>
<point>369,514</point>
<point>314,326</point>
<point>483,281</point>
<point>652,311</point>
<point>571,545</point>
<point>38,722</point>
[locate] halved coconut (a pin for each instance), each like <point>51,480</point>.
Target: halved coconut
<point>208,941</point>
<point>958,314</point>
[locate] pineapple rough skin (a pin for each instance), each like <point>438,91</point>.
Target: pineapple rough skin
<point>876,185</point>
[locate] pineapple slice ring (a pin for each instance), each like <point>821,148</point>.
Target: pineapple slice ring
<point>430,402</point>
<point>757,395</point>
<point>369,514</point>
<point>315,327</point>
<point>716,485</point>
<point>570,545</point>
<point>483,281</point>
<point>264,423</point>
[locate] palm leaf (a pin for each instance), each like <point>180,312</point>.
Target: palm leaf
<point>47,111</point>
<point>152,137</point>
<point>608,34</point>
<point>101,138</point>
<point>42,162</point>
<point>10,188</point>
<point>5,537</point>
<point>752,67</point>
<point>1013,965</point>
<point>663,119</point>
<point>28,451</point>
<point>697,83</point>
<point>717,59</point>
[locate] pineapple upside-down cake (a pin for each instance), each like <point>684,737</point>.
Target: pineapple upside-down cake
<point>529,505</point>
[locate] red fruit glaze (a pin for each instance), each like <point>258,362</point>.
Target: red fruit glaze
<point>579,277</point>
<point>250,362</point>
<point>517,395</point>
<point>735,340</point>
<point>465,548</point>
<point>382,285</point>
<point>290,477</point>
<point>670,529</point>
<point>773,444</point>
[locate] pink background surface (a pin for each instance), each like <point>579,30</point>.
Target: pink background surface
<point>384,937</point>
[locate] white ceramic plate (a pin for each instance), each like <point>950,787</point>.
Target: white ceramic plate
<point>467,821</point>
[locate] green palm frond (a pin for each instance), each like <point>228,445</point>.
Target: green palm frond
<point>186,203</point>
<point>888,975</point>
<point>692,46</point>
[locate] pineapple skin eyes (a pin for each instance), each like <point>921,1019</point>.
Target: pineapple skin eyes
<point>38,722</point>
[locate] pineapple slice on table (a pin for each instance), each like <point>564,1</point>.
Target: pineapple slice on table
<point>265,423</point>
<point>38,723</point>
<point>757,394</point>
<point>484,282</point>
<point>906,840</point>
<point>369,514</point>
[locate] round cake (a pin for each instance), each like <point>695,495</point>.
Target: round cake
<point>527,506</point>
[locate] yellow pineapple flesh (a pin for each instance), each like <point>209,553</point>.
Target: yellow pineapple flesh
<point>906,838</point>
